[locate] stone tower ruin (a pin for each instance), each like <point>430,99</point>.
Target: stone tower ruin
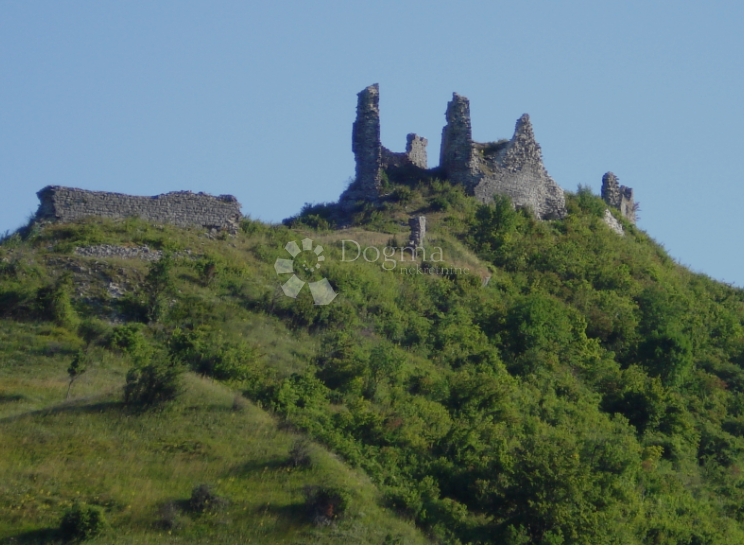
<point>618,196</point>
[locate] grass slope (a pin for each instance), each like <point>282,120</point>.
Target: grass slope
<point>133,463</point>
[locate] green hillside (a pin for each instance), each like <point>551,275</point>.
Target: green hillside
<point>529,383</point>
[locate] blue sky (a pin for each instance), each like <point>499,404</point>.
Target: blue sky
<point>257,99</point>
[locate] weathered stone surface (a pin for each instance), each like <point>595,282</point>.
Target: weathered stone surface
<point>366,142</point>
<point>416,150</point>
<point>512,168</point>
<point>181,208</point>
<point>612,223</point>
<point>457,154</point>
<point>418,231</point>
<point>415,154</point>
<point>618,196</point>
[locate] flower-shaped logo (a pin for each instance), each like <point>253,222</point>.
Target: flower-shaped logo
<point>308,260</point>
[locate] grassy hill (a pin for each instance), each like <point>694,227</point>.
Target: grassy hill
<point>532,382</point>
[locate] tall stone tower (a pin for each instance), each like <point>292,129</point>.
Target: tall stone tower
<point>366,144</point>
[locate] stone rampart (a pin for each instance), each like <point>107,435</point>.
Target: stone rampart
<point>181,208</point>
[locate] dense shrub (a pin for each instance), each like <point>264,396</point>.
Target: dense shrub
<point>82,521</point>
<point>55,302</point>
<point>299,454</point>
<point>152,383</point>
<point>204,499</point>
<point>326,504</point>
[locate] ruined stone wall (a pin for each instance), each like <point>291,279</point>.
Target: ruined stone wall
<point>512,168</point>
<point>508,167</point>
<point>415,154</point>
<point>619,196</point>
<point>182,208</point>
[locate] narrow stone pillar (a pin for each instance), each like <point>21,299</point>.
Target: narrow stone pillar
<point>366,142</point>
<point>455,155</point>
<point>418,230</point>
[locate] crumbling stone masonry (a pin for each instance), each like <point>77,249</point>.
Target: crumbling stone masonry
<point>371,156</point>
<point>619,196</point>
<point>181,208</point>
<point>418,231</point>
<point>508,167</point>
<point>415,154</point>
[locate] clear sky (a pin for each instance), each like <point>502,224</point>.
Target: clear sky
<point>257,98</point>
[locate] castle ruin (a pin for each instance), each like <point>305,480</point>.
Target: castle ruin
<point>509,167</point>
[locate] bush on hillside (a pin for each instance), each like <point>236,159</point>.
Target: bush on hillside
<point>153,383</point>
<point>82,521</point>
<point>204,499</point>
<point>326,504</point>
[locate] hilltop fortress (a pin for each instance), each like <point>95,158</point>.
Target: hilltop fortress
<point>507,167</point>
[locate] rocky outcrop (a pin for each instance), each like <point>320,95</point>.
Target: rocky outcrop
<point>618,196</point>
<point>513,168</point>
<point>181,208</point>
<point>612,223</point>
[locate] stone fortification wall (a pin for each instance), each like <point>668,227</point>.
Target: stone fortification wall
<point>619,196</point>
<point>182,208</point>
<point>512,168</point>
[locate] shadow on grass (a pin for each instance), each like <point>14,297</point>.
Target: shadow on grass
<point>258,466</point>
<point>46,536</point>
<point>73,407</point>
<point>11,398</point>
<point>293,513</point>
